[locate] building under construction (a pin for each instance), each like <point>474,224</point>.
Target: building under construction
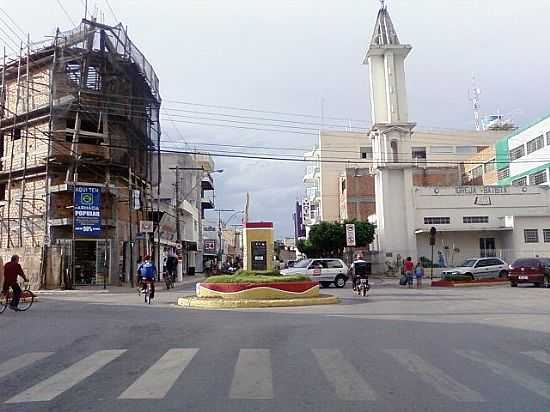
<point>79,127</point>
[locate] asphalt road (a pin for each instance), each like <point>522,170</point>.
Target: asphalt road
<point>397,350</point>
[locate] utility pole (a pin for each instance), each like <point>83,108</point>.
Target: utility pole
<point>178,222</point>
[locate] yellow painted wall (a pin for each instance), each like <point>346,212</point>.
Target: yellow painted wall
<point>257,235</point>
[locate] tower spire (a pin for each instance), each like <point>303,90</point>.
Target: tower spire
<point>384,30</point>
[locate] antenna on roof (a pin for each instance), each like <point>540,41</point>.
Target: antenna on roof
<point>475,94</point>
<point>383,3</point>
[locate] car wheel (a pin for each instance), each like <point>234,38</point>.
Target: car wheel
<point>325,284</point>
<point>470,275</point>
<point>514,285</point>
<point>547,281</point>
<point>340,281</point>
<point>503,274</point>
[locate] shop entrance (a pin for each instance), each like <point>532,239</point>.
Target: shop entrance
<point>91,262</point>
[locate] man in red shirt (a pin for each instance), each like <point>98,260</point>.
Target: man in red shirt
<point>12,270</point>
<point>409,271</point>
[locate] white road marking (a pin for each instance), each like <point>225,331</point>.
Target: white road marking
<point>21,362</point>
<point>540,356</point>
<point>348,383</point>
<point>253,375</point>
<point>528,382</point>
<point>431,375</point>
<point>159,378</point>
<point>67,378</point>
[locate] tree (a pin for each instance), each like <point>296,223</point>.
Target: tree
<point>329,239</point>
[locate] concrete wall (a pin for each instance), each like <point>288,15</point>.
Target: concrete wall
<point>254,235</point>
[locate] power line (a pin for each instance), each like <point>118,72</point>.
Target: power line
<point>12,21</point>
<point>111,9</point>
<point>66,13</point>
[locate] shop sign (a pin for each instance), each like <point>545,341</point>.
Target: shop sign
<point>481,190</point>
<point>210,246</point>
<point>146,226</point>
<point>87,211</point>
<point>350,235</point>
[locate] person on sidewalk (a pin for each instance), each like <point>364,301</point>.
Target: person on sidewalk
<point>409,271</point>
<point>12,271</point>
<point>419,274</point>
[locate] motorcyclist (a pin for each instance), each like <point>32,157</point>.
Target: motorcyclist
<point>359,269</point>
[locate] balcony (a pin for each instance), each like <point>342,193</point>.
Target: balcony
<point>207,202</point>
<point>207,182</point>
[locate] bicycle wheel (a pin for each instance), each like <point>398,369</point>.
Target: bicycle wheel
<point>26,301</point>
<point>3,302</point>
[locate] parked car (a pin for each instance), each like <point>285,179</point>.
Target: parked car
<point>530,270</point>
<point>480,268</point>
<point>326,271</point>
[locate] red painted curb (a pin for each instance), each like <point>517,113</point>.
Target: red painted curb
<point>297,287</point>
<point>452,283</point>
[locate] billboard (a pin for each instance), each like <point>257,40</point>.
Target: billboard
<point>87,211</point>
<point>210,247</point>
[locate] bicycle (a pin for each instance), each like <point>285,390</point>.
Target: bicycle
<point>25,302</point>
<point>148,291</point>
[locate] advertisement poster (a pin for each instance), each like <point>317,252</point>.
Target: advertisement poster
<point>87,209</point>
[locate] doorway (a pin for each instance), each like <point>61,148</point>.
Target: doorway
<point>487,247</point>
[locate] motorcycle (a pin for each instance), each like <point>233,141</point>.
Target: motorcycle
<point>362,287</point>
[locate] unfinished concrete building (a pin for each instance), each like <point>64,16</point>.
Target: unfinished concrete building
<point>78,114</point>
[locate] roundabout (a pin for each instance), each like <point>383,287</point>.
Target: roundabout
<point>252,290</point>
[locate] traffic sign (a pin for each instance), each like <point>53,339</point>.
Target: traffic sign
<point>146,226</point>
<point>350,235</point>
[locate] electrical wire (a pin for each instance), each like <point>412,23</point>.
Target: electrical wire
<point>66,13</point>
<point>111,10</point>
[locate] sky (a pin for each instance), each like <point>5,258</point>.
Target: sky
<point>305,57</point>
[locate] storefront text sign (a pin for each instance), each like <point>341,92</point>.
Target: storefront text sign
<point>87,211</point>
<point>481,190</point>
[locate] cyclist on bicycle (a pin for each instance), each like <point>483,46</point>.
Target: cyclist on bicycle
<point>12,270</point>
<point>147,271</point>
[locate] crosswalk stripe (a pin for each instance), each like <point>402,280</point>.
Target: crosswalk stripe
<point>21,362</point>
<point>440,381</point>
<point>540,356</point>
<point>348,383</point>
<point>159,378</point>
<point>253,375</point>
<point>528,382</point>
<point>67,378</point>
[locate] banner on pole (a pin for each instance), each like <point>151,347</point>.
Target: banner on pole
<point>350,235</point>
<point>87,211</point>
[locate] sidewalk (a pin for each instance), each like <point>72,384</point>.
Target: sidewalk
<point>160,286</point>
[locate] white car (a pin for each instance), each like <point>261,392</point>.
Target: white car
<point>326,271</point>
<point>479,268</point>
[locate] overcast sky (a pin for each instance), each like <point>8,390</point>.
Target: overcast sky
<point>291,55</point>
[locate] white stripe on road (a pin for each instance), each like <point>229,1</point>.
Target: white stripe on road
<point>431,375</point>
<point>21,362</point>
<point>159,378</point>
<point>528,382</point>
<point>67,378</point>
<point>540,356</point>
<point>348,383</point>
<point>253,375</point>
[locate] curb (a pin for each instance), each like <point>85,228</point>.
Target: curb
<point>219,303</point>
<point>451,284</point>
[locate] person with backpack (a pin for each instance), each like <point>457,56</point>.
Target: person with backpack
<point>146,272</point>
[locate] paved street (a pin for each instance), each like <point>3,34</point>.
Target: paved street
<point>484,349</point>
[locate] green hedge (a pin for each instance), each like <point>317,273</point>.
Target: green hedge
<point>253,277</point>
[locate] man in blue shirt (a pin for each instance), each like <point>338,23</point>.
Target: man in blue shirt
<point>147,272</point>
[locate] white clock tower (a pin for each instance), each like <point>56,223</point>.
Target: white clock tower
<point>391,139</point>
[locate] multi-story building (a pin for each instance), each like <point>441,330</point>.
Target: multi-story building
<point>186,180</point>
<point>79,125</point>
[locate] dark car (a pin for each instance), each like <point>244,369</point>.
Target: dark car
<point>530,270</point>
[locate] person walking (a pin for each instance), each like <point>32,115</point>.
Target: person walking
<point>409,271</point>
<point>12,271</point>
<point>419,274</point>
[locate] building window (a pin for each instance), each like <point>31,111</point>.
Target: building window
<point>517,152</point>
<point>520,182</point>
<point>366,153</point>
<point>466,149</point>
<point>475,219</point>
<point>3,191</point>
<point>546,234</point>
<point>535,144</point>
<point>490,166</point>
<point>538,178</point>
<point>442,149</point>
<point>531,235</point>
<point>503,173</point>
<point>477,171</point>
<point>437,220</point>
<point>548,138</point>
<point>16,134</point>
<point>343,186</point>
<point>419,153</point>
